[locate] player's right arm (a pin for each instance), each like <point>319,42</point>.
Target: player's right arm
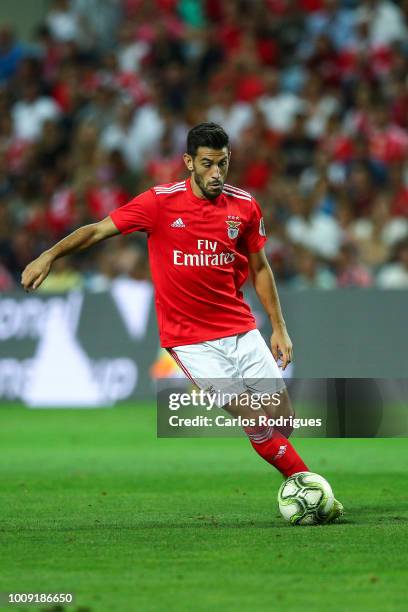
<point>82,238</point>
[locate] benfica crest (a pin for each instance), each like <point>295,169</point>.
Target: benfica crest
<point>233,228</point>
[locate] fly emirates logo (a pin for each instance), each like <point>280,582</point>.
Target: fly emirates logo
<point>207,256</point>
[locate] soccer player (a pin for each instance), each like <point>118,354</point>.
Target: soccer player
<point>204,238</point>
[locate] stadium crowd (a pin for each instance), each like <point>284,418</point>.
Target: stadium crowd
<point>314,95</point>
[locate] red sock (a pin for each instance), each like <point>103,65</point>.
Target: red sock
<point>279,452</point>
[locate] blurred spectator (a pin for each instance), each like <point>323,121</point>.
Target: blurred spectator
<point>11,53</point>
<point>395,274</point>
<point>31,111</point>
<point>166,48</point>
<point>105,194</point>
<point>313,229</point>
<point>165,166</point>
<point>84,158</point>
<point>99,279</point>
<point>118,134</point>
<point>331,19</point>
<point>357,116</point>
<point>100,109</point>
<point>127,179</point>
<point>131,51</point>
<point>63,22</point>
<point>360,188</point>
<point>279,107</point>
<point>350,272</point>
<point>259,167</point>
<point>317,105</point>
<point>309,273</point>
<point>388,142</point>
<point>6,280</point>
<point>192,12</point>
<point>298,147</point>
<point>99,20</point>
<point>130,260</point>
<point>55,215</point>
<point>324,61</point>
<point>18,249</point>
<point>335,142</point>
<point>399,190</point>
<point>135,134</point>
<point>210,54</point>
<point>51,145</point>
<point>385,21</point>
<point>234,116</point>
<point>378,233</point>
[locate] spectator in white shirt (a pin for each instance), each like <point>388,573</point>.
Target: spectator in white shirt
<point>136,134</point>
<point>233,116</point>
<point>31,111</point>
<point>395,275</point>
<point>315,230</point>
<point>385,22</point>
<point>63,22</point>
<point>278,107</point>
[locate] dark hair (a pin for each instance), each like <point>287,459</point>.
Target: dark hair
<point>208,135</point>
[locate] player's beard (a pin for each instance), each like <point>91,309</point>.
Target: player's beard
<point>210,194</point>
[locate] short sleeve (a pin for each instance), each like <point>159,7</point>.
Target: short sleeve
<point>137,215</point>
<point>255,235</point>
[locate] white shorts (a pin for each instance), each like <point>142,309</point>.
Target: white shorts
<point>231,365</point>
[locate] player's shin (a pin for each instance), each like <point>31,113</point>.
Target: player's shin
<point>268,442</point>
<point>279,452</point>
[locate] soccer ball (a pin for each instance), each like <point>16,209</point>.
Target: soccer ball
<point>305,498</point>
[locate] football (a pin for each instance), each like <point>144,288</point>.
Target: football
<point>305,499</point>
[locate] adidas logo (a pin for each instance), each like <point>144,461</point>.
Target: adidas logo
<point>178,223</point>
<point>281,452</point>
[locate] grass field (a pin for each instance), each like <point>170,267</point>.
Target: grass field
<point>92,503</point>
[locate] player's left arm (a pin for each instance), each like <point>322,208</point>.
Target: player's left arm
<point>265,287</point>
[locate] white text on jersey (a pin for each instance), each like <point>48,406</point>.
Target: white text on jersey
<point>203,259</point>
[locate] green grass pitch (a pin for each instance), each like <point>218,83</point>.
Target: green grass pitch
<point>92,503</point>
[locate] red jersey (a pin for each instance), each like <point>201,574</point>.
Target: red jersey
<point>198,251</point>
